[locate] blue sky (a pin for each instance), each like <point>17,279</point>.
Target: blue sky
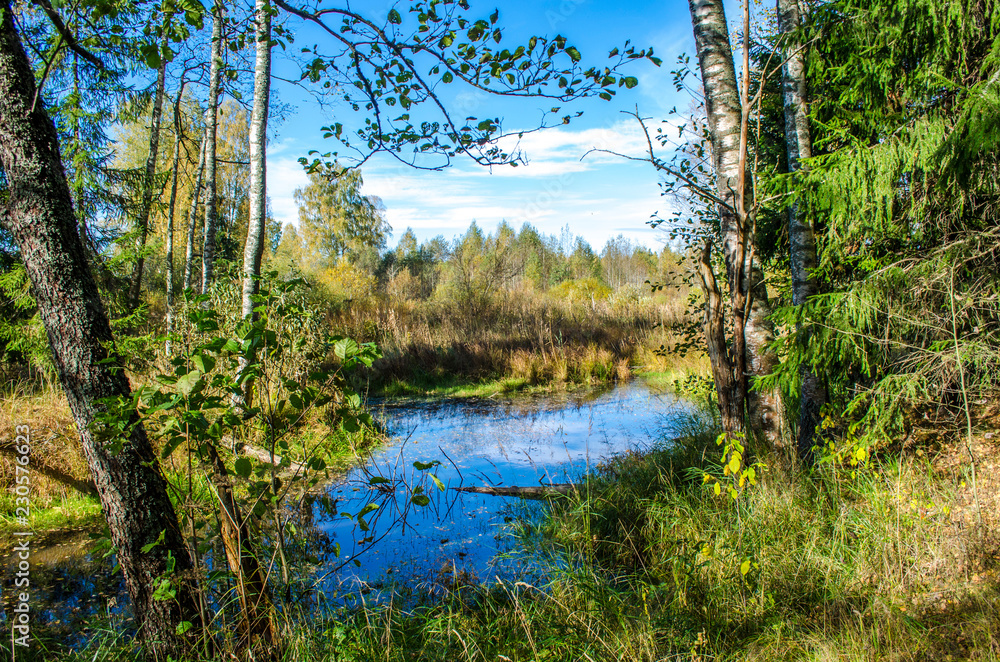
<point>598,197</point>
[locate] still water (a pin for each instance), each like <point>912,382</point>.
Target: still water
<point>520,442</point>
<point>415,532</point>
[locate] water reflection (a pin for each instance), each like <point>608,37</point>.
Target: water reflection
<point>523,442</point>
<point>396,544</point>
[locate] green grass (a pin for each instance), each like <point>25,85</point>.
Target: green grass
<point>453,386</point>
<point>72,511</point>
<point>829,566</point>
<point>844,563</point>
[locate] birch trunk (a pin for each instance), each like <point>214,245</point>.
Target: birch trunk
<point>171,206</point>
<point>752,329</point>
<point>256,227</point>
<point>256,230</point>
<point>147,186</point>
<point>211,130</point>
<point>193,215</point>
<point>132,490</point>
<point>798,142</point>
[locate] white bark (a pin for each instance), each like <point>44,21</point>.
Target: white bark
<point>193,215</point>
<point>147,185</point>
<point>256,230</point>
<point>798,142</point>
<point>725,120</point>
<point>171,206</point>
<point>211,128</point>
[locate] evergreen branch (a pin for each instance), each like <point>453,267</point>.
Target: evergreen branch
<point>67,36</point>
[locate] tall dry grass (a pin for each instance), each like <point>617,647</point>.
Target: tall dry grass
<point>522,335</point>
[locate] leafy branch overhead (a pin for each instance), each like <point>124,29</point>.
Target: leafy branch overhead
<point>398,72</point>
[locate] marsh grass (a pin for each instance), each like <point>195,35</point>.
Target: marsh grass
<point>517,340</point>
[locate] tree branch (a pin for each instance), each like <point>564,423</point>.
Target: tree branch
<point>67,36</point>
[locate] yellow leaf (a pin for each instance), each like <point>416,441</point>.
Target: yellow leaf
<point>734,462</point>
<point>718,489</point>
<point>745,567</point>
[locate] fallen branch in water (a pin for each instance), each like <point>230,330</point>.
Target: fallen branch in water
<point>531,492</point>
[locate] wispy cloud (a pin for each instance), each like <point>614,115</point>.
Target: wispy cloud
<point>597,197</point>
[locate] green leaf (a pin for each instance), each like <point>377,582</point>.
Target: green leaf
<point>424,466</point>
<point>147,548</point>
<point>165,591</point>
<point>345,348</point>
<point>183,627</point>
<point>243,467</point>
<point>630,81</point>
<point>188,383</point>
<point>573,53</point>
<point>203,363</point>
<point>394,17</point>
<point>420,499</point>
<point>171,446</point>
<point>437,481</point>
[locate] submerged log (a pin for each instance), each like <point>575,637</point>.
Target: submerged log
<point>530,492</point>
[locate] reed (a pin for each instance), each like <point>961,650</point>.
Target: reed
<point>522,336</point>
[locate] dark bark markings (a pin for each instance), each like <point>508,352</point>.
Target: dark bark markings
<point>752,329</point>
<point>211,130</point>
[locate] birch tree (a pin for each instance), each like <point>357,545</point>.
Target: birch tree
<point>798,142</point>
<point>211,130</point>
<point>256,230</point>
<point>196,197</point>
<point>148,184</point>
<point>727,107</point>
<point>171,206</point>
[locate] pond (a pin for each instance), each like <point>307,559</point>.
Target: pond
<point>494,442</point>
<point>414,531</point>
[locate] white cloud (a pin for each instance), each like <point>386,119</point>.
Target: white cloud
<point>598,197</point>
<point>284,175</point>
<point>560,150</point>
